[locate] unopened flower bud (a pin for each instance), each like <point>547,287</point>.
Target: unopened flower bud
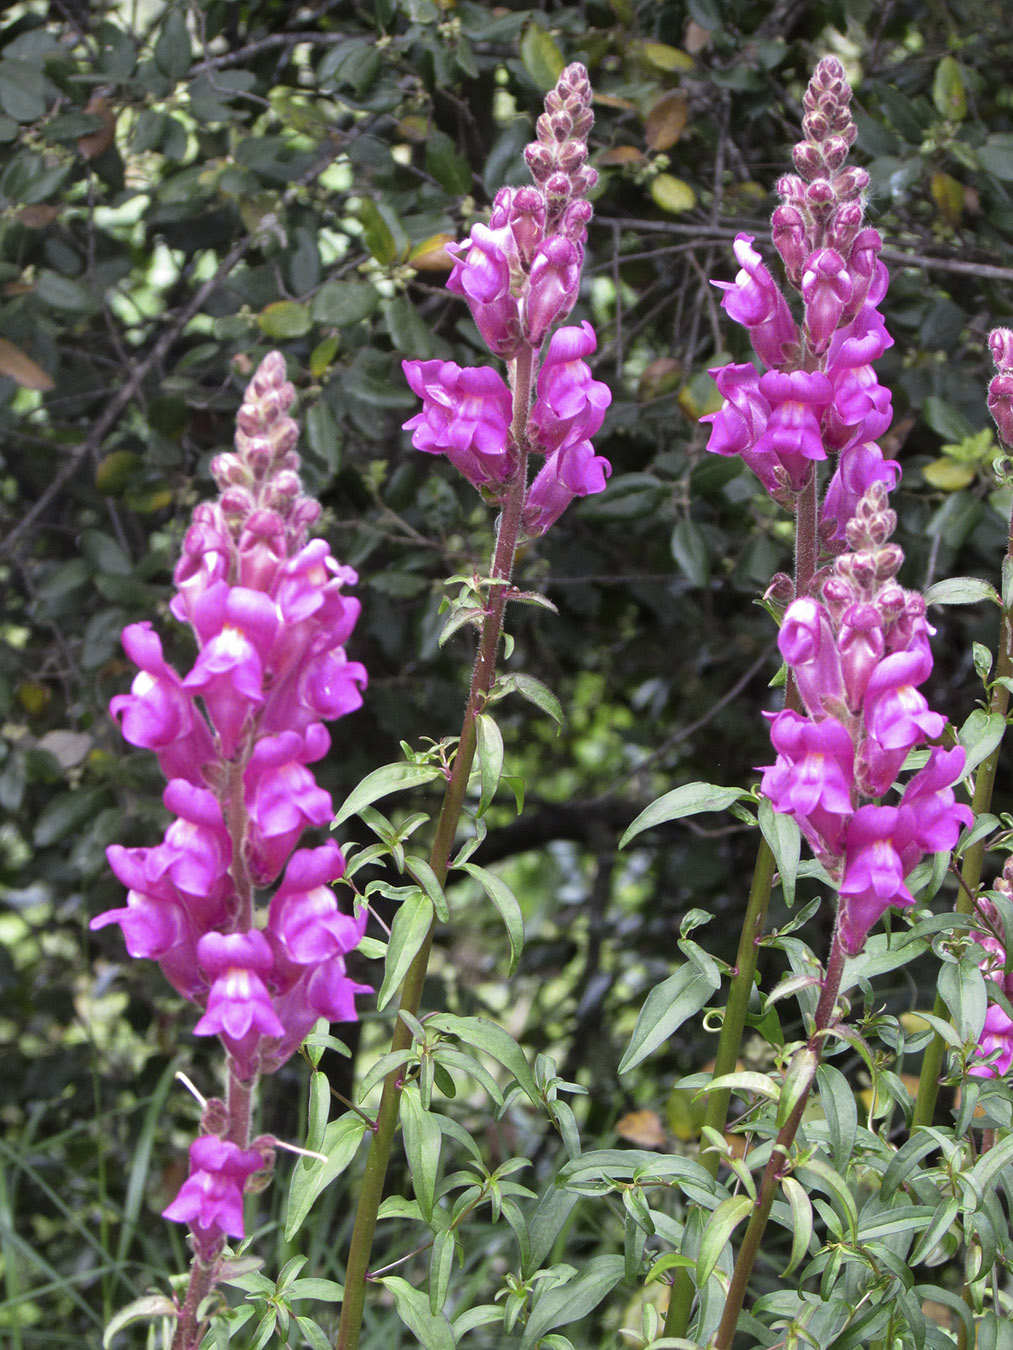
<point>539,161</point>
<point>1000,404</point>
<point>788,231</point>
<point>807,159</point>
<point>1000,344</point>
<point>572,156</point>
<point>791,189</point>
<point>835,151</point>
<point>226,469</point>
<point>889,560</point>
<point>815,126</point>
<point>236,502</point>
<point>820,197</point>
<point>851,182</point>
<point>214,1118</point>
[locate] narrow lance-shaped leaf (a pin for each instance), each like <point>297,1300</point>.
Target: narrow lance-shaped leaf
<point>665,1009</point>
<point>407,934</point>
<point>382,782</point>
<point>506,902</point>
<point>688,800</point>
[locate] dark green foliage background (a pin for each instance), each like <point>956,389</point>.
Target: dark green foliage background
<point>273,170</point>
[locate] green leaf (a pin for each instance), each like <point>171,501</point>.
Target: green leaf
<point>980,735</point>
<point>172,49</point>
<point>22,90</point>
<point>961,986</point>
<point>785,842</point>
<point>344,303</point>
<point>422,1140</point>
<point>141,1310</point>
<point>63,293</point>
<point>408,932</point>
<point>441,1265</point>
<point>838,1102</point>
<point>506,902</point>
<point>382,782</point>
<point>427,879</point>
<point>688,800</point>
<point>376,233</point>
<point>818,1175</point>
<point>720,1227</point>
<point>567,1303</point>
<point>534,691</point>
<point>801,1222</point>
<point>541,57</point>
<point>409,332</point>
<point>285,319</point>
<point>961,591</point>
<point>434,1332</point>
<point>938,1227</point>
<point>996,156</point>
<point>666,1007</point>
<point>689,549</point>
<point>310,1176</point>
<point>64,814</point>
<point>451,170</point>
<point>495,1041</point>
<point>489,746</point>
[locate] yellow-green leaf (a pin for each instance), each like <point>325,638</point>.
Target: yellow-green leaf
<point>664,57</point>
<point>285,319</point>
<point>541,56</point>
<point>948,195</point>
<point>949,476</point>
<point>672,194</point>
<point>948,91</point>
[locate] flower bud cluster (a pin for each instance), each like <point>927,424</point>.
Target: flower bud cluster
<point>520,275</point>
<point>857,656</point>
<point>819,393</point>
<point>995,1044</point>
<point>235,737</point>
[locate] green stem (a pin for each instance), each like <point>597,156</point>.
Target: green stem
<point>732,1027</point>
<point>974,857</point>
<point>483,675</point>
<point>779,1154</point>
<point>716,1112</point>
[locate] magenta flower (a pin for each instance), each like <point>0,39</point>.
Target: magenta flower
<point>792,437</point>
<point>826,290</point>
<point>282,798</point>
<point>813,778</point>
<point>806,641</point>
<point>860,646</point>
<point>157,714</point>
<point>236,628</point>
<point>929,795</point>
<point>482,274</point>
<point>239,1007</point>
<point>553,286</point>
<point>754,300</point>
<point>573,471</point>
<point>874,870</point>
<point>211,1198</point>
<point>995,1045</point>
<point>570,406</point>
<point>897,716</point>
<point>741,421</point>
<point>465,415</point>
<point>304,917</point>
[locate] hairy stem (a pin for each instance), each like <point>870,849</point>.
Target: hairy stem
<point>483,675</point>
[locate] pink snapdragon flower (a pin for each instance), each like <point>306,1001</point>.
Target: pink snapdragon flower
<point>465,415</point>
<point>211,1198</point>
<point>520,275</point>
<point>270,613</point>
<point>856,657</point>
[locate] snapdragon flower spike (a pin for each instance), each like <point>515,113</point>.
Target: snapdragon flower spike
<point>834,402</point>
<point>235,736</point>
<point>520,275</point>
<point>857,655</point>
